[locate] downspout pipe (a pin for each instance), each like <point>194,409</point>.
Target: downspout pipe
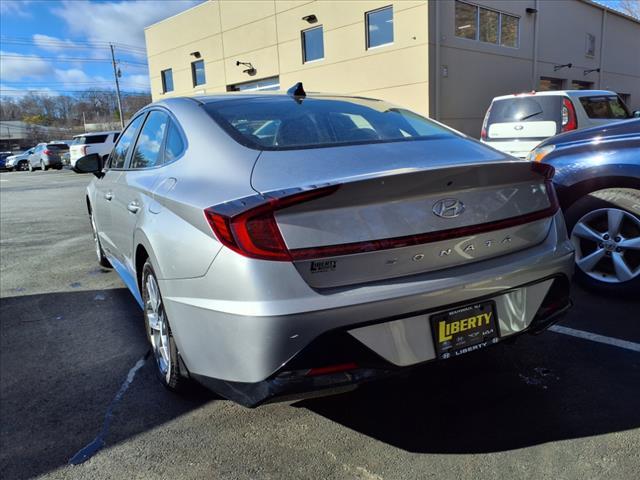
<point>534,73</point>
<point>437,68</point>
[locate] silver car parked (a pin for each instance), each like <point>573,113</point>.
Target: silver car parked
<point>47,155</point>
<point>348,241</point>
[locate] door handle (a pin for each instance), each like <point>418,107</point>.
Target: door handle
<point>108,196</point>
<point>133,207</point>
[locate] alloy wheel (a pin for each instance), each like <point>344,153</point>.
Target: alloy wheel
<point>607,243</point>
<point>157,326</point>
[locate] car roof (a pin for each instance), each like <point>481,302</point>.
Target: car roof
<point>570,93</point>
<point>276,95</point>
<point>91,134</point>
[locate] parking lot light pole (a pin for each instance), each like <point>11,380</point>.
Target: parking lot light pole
<point>115,74</point>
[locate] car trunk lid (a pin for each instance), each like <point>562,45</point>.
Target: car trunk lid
<point>402,208</point>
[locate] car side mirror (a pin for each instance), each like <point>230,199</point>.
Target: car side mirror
<point>636,114</point>
<point>91,163</point>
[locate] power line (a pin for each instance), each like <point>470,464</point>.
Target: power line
<point>68,42</point>
<point>69,59</point>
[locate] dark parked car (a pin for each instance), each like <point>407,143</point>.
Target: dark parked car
<point>3,158</point>
<point>598,184</point>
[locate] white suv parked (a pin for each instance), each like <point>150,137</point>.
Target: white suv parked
<point>515,124</point>
<point>94,142</point>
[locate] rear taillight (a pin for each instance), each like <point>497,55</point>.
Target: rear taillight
<point>84,150</point>
<point>254,233</point>
<point>483,132</point>
<point>47,152</point>
<point>569,121</point>
<point>342,367</point>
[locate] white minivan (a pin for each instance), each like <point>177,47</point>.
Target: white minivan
<point>94,142</point>
<point>516,123</point>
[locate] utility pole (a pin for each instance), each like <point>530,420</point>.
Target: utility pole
<point>116,74</point>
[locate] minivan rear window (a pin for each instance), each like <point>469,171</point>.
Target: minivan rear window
<point>89,139</point>
<point>284,123</point>
<point>526,109</point>
<point>605,106</point>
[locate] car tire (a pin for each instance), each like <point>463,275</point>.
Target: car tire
<point>604,227</point>
<point>102,260</point>
<point>43,167</point>
<point>159,335</point>
<point>22,166</point>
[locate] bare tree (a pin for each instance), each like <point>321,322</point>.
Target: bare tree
<point>630,7</point>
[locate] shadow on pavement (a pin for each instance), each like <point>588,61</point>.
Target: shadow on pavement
<point>63,357</point>
<point>539,389</point>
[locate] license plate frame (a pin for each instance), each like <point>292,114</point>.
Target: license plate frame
<point>465,329</point>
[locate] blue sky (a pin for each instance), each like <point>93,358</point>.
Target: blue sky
<point>58,46</point>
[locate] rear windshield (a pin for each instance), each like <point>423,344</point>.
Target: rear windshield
<point>605,106</point>
<point>526,109</point>
<point>57,146</point>
<point>90,139</point>
<point>282,123</point>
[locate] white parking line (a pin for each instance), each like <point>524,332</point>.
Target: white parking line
<point>594,337</point>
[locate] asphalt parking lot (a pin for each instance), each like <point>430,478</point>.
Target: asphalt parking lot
<point>73,369</point>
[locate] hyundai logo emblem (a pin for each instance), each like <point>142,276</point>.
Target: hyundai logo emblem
<point>518,127</point>
<point>448,208</point>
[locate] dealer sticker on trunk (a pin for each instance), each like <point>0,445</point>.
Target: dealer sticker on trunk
<point>323,266</point>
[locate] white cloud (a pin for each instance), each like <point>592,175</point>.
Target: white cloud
<point>16,8</point>
<point>72,75</point>
<point>15,66</point>
<point>121,22</point>
<point>52,44</point>
<point>136,82</point>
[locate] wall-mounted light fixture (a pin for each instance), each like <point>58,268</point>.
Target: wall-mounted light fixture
<point>587,72</point>
<point>195,54</point>
<point>310,18</point>
<point>558,67</point>
<point>249,70</point>
<point>530,10</point>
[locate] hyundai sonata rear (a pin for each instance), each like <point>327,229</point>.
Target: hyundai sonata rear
<point>348,241</point>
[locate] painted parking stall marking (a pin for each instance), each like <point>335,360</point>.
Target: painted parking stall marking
<point>594,337</point>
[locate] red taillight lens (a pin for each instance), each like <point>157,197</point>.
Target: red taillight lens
<point>569,121</point>
<point>48,152</point>
<point>254,233</point>
<point>483,132</point>
<point>343,367</point>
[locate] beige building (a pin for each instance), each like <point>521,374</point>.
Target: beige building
<point>445,58</point>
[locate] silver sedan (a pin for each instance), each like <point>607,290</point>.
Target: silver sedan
<point>291,244</point>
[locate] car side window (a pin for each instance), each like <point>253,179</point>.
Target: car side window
<point>119,153</point>
<point>148,150</point>
<point>175,145</point>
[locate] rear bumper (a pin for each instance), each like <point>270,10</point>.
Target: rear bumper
<point>244,320</point>
<point>339,347</point>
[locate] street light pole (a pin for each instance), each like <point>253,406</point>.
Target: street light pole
<point>115,74</point>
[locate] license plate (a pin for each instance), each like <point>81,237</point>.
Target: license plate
<point>465,329</point>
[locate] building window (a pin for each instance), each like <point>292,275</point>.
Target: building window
<point>549,83</point>
<point>485,25</point>
<point>272,83</point>
<point>509,30</point>
<point>167,80</point>
<point>312,44</point>
<point>466,21</point>
<point>379,27</point>
<point>590,45</point>
<point>580,85</point>
<point>197,73</point>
